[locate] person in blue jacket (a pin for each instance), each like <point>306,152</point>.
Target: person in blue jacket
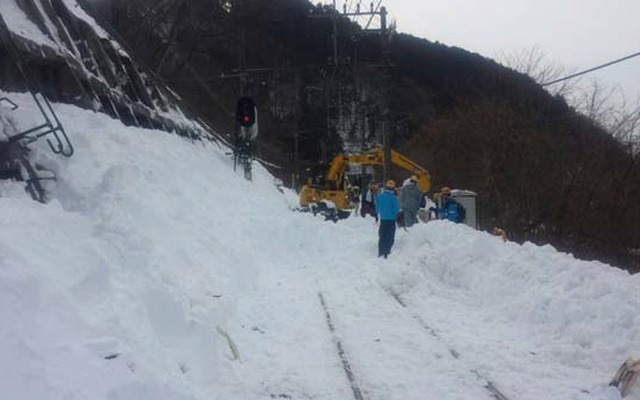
<point>387,208</point>
<point>450,208</point>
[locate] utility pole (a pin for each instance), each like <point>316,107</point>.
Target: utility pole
<point>242,50</point>
<point>246,111</point>
<point>386,150</point>
<point>385,60</point>
<point>335,35</point>
<point>385,125</point>
<point>334,15</point>
<point>381,13</point>
<point>372,13</point>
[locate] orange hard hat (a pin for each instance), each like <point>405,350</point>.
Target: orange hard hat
<point>390,184</point>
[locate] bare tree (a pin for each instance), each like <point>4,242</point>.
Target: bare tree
<point>608,107</point>
<point>604,105</point>
<point>535,63</point>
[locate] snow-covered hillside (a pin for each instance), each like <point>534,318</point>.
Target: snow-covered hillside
<point>156,272</point>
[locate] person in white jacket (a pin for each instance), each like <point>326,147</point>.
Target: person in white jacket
<point>410,200</point>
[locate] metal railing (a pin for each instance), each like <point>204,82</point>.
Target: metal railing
<point>51,125</point>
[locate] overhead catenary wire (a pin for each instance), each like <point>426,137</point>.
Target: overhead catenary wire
<point>372,14</point>
<point>593,69</point>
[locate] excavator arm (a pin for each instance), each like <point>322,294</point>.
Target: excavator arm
<point>424,179</point>
<point>376,157</point>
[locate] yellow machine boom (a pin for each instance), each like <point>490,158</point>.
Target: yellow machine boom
<point>335,188</point>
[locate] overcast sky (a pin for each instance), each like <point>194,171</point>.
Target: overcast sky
<point>577,34</point>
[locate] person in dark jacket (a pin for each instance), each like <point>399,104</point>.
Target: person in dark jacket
<point>387,208</point>
<point>369,201</point>
<point>411,198</point>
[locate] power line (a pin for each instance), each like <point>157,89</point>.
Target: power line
<point>372,14</point>
<point>592,69</point>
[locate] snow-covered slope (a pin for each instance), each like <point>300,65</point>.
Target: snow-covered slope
<point>156,272</point>
<point>54,41</point>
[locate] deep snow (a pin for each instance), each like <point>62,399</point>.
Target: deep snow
<point>156,272</point>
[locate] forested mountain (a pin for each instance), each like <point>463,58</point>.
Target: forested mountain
<point>542,171</point>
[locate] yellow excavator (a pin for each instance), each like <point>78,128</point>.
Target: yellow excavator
<point>335,186</point>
